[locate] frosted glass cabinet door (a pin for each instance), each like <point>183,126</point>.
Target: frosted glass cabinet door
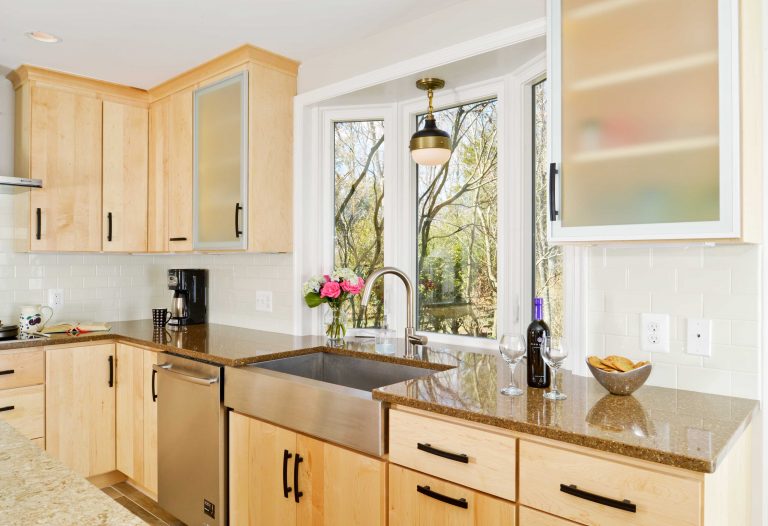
<point>221,164</point>
<point>641,123</point>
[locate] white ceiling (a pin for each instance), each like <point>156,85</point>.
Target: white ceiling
<point>144,42</point>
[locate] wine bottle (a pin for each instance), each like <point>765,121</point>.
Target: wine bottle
<point>538,372</point>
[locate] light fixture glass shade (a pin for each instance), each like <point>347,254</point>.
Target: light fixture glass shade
<point>430,146</point>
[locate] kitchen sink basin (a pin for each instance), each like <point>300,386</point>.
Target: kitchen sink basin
<point>320,394</point>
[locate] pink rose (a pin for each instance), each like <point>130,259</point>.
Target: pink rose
<point>351,288</point>
<point>330,289</point>
<point>327,277</point>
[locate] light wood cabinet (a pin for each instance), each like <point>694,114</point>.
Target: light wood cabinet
<point>80,406</point>
<point>170,173</point>
<point>22,367</point>
<point>24,409</point>
<point>268,465</point>
<point>136,419</point>
<point>529,517</point>
<point>124,169</point>
<point>416,499</point>
<point>65,153</point>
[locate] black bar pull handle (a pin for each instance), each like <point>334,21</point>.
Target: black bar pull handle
<point>625,504</point>
<point>238,208</point>
<point>459,503</point>
<point>286,456</point>
<point>7,408</point>
<point>154,385</point>
<point>297,494</point>
<point>38,230</point>
<point>177,239</point>
<point>109,226</point>
<point>553,213</point>
<point>7,371</point>
<point>111,362</point>
<point>458,457</point>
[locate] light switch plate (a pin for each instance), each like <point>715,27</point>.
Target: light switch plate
<point>654,332</point>
<point>263,299</point>
<point>699,341</point>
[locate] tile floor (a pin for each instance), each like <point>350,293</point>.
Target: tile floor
<point>140,505</point>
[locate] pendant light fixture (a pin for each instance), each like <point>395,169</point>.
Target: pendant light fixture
<point>430,146</point>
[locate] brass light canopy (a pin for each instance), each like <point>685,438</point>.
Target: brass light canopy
<point>430,146</point>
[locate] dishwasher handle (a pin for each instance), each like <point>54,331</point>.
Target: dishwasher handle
<point>166,367</point>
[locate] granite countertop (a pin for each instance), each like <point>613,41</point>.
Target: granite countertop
<point>36,489</point>
<point>679,428</point>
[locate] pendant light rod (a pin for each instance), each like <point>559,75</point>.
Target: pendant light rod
<point>430,84</point>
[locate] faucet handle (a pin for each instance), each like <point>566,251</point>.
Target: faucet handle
<point>415,339</point>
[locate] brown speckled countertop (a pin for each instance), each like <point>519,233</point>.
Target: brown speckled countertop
<point>679,428</point>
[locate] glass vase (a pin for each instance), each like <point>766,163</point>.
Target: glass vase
<point>335,323</point>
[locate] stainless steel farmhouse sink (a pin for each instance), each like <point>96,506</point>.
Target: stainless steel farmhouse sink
<point>321,394</point>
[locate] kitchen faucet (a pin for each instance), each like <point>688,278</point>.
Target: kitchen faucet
<point>411,338</point>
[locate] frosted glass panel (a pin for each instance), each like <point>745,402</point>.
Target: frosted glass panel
<point>640,131</point>
<point>220,162</point>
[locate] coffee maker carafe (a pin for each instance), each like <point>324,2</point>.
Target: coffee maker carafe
<point>189,305</point>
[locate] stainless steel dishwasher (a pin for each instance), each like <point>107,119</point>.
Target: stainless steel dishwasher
<point>192,441</point>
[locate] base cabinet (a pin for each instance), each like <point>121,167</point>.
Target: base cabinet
<point>529,517</point>
<point>277,476</point>
<point>80,407</point>
<point>416,499</point>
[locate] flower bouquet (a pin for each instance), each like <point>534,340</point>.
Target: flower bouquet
<point>333,289</point>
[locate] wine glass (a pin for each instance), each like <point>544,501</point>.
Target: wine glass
<point>554,351</point>
<point>512,349</point>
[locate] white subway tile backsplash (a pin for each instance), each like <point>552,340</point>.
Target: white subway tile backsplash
<point>652,279</point>
<point>745,385</point>
<point>627,301</point>
<point>731,306</point>
<point>700,279</point>
<point>678,304</point>
<point>710,381</point>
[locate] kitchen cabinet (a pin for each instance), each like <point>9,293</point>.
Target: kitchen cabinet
<point>278,476</point>
<point>124,172</point>
<point>80,406</point>
<point>529,517</point>
<point>136,416</point>
<point>22,393</point>
<point>646,125</point>
<point>416,499</point>
<point>221,164</point>
<point>170,173</point>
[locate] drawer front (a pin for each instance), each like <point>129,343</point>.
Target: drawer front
<point>530,517</point>
<point>22,368</point>
<point>562,482</point>
<point>475,458</point>
<point>416,499</point>
<point>23,408</point>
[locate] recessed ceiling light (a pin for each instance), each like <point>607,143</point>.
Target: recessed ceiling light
<point>42,36</point>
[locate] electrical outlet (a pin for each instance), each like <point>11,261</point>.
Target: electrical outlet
<point>654,332</point>
<point>263,300</point>
<point>55,298</point>
<point>699,341</point>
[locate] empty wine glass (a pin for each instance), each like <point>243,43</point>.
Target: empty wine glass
<point>554,351</point>
<point>512,349</point>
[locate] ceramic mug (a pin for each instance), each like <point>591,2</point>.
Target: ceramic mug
<point>31,318</point>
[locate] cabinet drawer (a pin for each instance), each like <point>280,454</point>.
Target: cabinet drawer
<point>23,408</point>
<point>21,368</point>
<point>479,459</point>
<point>530,517</point>
<point>416,499</point>
<point>562,482</point>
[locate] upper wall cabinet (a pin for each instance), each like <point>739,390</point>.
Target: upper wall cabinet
<point>654,131</point>
<point>221,165</point>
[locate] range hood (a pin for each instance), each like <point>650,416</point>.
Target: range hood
<point>20,182</point>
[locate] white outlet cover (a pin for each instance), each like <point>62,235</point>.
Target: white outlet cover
<point>263,299</point>
<point>699,340</point>
<point>55,298</point>
<point>654,332</point>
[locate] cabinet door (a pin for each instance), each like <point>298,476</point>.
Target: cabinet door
<point>130,412</point>
<point>150,422</point>
<point>644,123</point>
<point>529,517</point>
<point>339,486</point>
<point>65,140</point>
<point>221,164</point>
<point>257,465</point>
<point>420,500</point>
<point>170,174</point>
<point>80,407</point>
<point>126,129</point>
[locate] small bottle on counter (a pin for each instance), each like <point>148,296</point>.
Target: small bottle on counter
<point>538,372</point>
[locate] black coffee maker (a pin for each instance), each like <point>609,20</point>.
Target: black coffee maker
<point>189,305</point>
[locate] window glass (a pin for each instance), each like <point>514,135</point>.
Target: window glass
<point>358,157</point>
<point>456,213</point>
